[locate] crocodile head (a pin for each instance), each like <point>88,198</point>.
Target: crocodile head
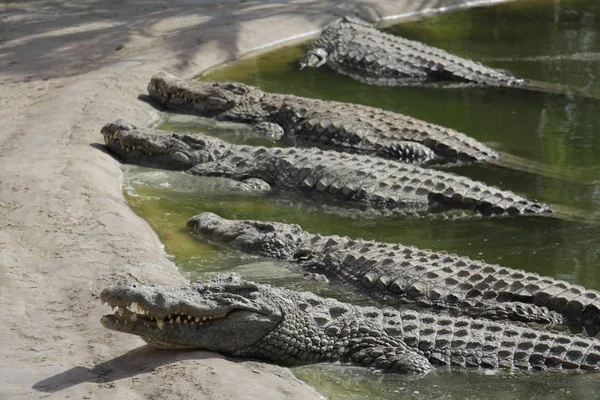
<point>270,239</point>
<point>326,43</point>
<point>225,314</point>
<point>314,58</point>
<point>207,99</point>
<point>154,148</point>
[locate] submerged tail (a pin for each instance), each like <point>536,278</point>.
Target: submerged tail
<point>517,163</point>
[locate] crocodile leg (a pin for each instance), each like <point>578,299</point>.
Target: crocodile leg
<point>269,130</point>
<point>224,169</point>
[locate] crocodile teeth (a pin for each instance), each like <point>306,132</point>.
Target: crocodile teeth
<point>197,319</point>
<point>171,321</point>
<point>133,317</point>
<point>160,323</point>
<point>139,309</point>
<point>121,309</point>
<point>203,318</point>
<point>178,320</point>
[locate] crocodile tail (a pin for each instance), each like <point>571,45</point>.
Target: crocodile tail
<point>467,342</point>
<point>489,200</point>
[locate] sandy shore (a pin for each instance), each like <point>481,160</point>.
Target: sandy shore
<point>67,68</point>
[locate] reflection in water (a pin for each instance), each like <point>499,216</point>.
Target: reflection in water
<point>350,383</point>
<point>547,41</point>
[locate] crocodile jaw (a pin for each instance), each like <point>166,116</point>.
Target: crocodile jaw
<point>160,150</point>
<point>208,99</point>
<point>269,239</point>
<point>191,317</point>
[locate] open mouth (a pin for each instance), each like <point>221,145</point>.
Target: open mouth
<point>137,314</point>
<point>168,95</point>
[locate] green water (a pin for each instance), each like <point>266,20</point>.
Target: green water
<point>548,41</point>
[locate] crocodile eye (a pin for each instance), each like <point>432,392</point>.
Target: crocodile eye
<point>264,227</point>
<point>303,255</point>
<point>236,89</point>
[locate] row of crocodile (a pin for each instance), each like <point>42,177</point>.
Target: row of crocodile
<point>245,319</point>
<point>348,179</point>
<point>448,310</point>
<point>328,125</point>
<point>355,48</point>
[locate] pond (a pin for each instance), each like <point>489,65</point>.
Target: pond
<point>554,135</point>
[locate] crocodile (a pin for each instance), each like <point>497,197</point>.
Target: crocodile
<point>353,47</point>
<point>346,179</point>
<point>408,275</point>
<point>347,127</point>
<point>239,318</point>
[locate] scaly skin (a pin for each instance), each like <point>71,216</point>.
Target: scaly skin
<point>332,125</point>
<point>354,180</point>
<point>408,275</point>
<point>246,319</point>
<point>355,48</point>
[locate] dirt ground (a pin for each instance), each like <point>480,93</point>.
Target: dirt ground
<point>67,68</point>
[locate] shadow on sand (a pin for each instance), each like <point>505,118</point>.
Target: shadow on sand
<point>138,361</point>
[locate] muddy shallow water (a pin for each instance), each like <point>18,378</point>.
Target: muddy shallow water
<point>553,136</point>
